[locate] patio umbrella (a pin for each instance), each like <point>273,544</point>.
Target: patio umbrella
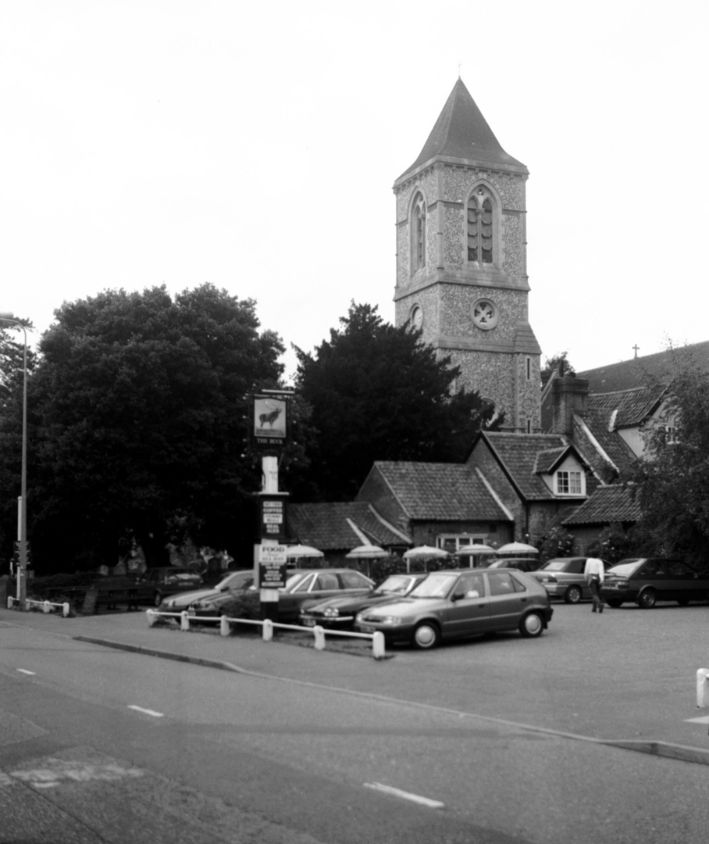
<point>474,549</point>
<point>517,548</point>
<point>302,552</point>
<point>366,552</point>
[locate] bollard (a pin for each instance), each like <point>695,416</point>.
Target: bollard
<point>184,620</point>
<point>9,602</point>
<point>702,687</point>
<point>46,607</point>
<point>224,626</point>
<point>151,614</point>
<point>319,635</point>
<point>267,630</point>
<point>378,645</point>
<point>66,609</point>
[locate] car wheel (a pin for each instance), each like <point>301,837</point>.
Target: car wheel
<point>615,604</point>
<point>531,625</point>
<point>647,599</point>
<point>426,635</point>
<point>572,595</point>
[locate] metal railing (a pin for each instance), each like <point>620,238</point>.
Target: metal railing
<point>267,628</point>
<point>45,606</point>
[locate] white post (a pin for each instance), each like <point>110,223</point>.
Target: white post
<point>703,687</point>
<point>378,645</point>
<point>65,609</point>
<point>224,626</point>
<point>319,635</point>
<point>46,607</point>
<point>184,620</point>
<point>267,630</point>
<point>151,614</point>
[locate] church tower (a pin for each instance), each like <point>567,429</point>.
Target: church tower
<point>461,265</point>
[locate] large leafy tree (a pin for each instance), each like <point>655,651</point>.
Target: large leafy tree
<point>142,403</point>
<point>673,476</point>
<point>376,392</point>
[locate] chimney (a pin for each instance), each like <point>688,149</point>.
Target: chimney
<point>569,396</point>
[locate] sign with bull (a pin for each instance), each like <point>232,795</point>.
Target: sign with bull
<point>270,420</point>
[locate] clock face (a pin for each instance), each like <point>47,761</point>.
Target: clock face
<point>485,314</point>
<point>416,317</point>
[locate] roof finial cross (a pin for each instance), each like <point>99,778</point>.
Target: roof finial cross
<point>636,349</point>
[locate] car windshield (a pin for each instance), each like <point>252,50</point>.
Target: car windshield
<point>234,580</point>
<point>436,585</point>
<point>625,569</point>
<point>395,584</point>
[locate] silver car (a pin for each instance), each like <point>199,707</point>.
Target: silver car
<point>459,604</point>
<point>563,578</point>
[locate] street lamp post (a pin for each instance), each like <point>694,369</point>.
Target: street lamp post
<point>22,515</point>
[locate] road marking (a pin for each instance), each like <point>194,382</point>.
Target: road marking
<point>26,671</point>
<point>703,720</point>
<point>406,795</point>
<point>54,772</point>
<point>146,711</point>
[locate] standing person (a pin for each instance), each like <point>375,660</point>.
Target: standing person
<point>594,571</point>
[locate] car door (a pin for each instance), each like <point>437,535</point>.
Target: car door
<point>508,600</point>
<point>466,612</point>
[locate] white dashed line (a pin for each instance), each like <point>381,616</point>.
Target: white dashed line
<point>406,795</point>
<point>146,711</point>
<point>703,720</point>
<point>26,671</point>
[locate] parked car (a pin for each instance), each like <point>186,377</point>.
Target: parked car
<point>563,578</point>
<point>339,613</point>
<point>234,583</point>
<point>303,588</point>
<point>161,581</point>
<point>647,580</point>
<point>459,604</point>
<point>519,563</point>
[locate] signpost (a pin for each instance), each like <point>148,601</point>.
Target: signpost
<point>270,428</point>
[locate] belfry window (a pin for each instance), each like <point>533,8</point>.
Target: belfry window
<point>418,233</point>
<point>480,226</point>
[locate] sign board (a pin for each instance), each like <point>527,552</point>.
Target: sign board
<point>270,420</point>
<point>272,566</point>
<point>272,518</point>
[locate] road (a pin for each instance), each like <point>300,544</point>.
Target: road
<point>104,745</point>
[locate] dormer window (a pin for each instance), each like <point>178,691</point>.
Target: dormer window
<point>418,233</point>
<point>481,226</point>
<point>569,482</point>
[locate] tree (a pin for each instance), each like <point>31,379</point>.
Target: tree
<point>143,407</point>
<point>376,392</point>
<point>673,475</point>
<point>556,363</point>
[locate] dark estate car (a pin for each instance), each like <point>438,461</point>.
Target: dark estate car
<point>161,581</point>
<point>233,584</point>
<point>339,613</point>
<point>303,588</point>
<point>563,578</point>
<point>646,580</point>
<point>459,604</point>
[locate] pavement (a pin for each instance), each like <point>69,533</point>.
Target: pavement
<point>653,718</point>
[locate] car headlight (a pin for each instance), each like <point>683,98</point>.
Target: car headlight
<point>170,603</point>
<point>331,612</point>
<point>384,620</point>
<point>204,605</point>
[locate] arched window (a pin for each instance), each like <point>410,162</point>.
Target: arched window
<point>481,230</point>
<point>418,233</point>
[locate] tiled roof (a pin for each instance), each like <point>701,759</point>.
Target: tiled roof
<point>607,505</point>
<point>440,491</point>
<point>591,434</point>
<point>626,408</point>
<point>462,133</point>
<point>327,525</point>
<point>518,453</point>
<point>547,460</point>
<point>644,370</point>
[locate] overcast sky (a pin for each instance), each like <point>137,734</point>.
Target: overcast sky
<point>254,145</point>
